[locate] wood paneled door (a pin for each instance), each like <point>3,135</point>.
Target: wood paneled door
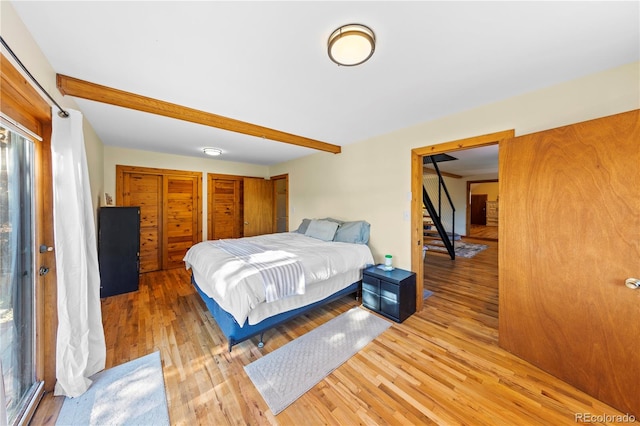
<point>181,217</point>
<point>242,206</point>
<point>569,237</point>
<point>170,212</point>
<point>145,191</point>
<point>224,204</point>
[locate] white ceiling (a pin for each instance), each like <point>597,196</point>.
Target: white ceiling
<point>471,162</point>
<point>266,63</point>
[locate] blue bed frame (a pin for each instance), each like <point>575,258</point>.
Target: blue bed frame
<point>236,334</point>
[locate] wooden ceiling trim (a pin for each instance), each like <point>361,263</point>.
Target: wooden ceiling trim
<point>83,89</point>
<point>462,144</point>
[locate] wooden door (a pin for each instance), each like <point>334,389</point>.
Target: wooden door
<point>181,230</point>
<point>145,191</point>
<point>478,209</point>
<point>258,206</point>
<point>170,210</point>
<point>569,237</point>
<point>224,195</point>
<point>280,203</point>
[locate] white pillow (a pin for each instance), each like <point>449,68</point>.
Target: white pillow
<point>322,229</point>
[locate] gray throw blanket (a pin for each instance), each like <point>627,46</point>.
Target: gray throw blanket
<point>282,274</point>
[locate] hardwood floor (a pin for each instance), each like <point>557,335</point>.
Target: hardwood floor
<point>441,366</point>
<point>483,232</point>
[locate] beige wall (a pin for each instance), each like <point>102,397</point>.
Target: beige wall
<point>130,157</point>
<point>489,188</point>
<point>371,179</point>
<point>24,46</point>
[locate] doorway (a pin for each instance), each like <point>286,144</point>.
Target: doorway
<point>482,205</point>
<point>417,155</point>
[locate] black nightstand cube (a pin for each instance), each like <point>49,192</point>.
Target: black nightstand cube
<point>390,293</point>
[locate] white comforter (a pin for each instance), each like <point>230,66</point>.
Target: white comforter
<point>238,288</point>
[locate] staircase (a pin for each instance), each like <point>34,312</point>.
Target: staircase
<point>438,216</point>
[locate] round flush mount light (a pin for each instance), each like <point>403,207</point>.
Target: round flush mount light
<point>351,45</point>
<point>212,151</point>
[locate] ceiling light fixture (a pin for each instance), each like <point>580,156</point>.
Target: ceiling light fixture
<point>351,45</point>
<point>212,151</point>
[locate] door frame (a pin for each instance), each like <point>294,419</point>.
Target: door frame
<point>21,102</point>
<point>417,154</point>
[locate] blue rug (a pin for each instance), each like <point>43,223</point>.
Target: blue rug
<point>426,293</point>
<point>128,394</point>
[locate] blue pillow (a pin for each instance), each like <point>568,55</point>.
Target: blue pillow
<point>356,232</point>
<point>303,226</point>
<point>330,219</point>
<point>322,229</point>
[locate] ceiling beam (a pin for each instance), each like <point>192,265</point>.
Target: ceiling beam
<point>95,92</point>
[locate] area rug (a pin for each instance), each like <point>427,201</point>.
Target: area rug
<point>426,293</point>
<point>287,373</point>
<point>462,249</point>
<point>129,394</point>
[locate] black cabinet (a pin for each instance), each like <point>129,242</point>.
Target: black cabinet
<point>118,249</point>
<point>390,293</point>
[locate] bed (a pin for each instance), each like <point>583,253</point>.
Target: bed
<point>253,284</point>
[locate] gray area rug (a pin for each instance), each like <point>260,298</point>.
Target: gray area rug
<point>287,373</point>
<point>462,249</point>
<point>129,394</point>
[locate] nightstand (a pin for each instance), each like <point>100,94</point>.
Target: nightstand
<point>390,293</point>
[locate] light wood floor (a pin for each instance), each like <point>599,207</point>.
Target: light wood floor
<point>441,366</point>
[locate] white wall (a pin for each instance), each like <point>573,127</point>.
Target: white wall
<point>130,157</point>
<point>371,179</point>
<point>24,46</point>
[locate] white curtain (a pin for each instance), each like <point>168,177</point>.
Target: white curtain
<point>80,349</point>
<point>4,419</point>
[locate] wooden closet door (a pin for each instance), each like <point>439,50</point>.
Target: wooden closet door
<point>569,238</point>
<point>258,206</point>
<point>225,207</point>
<point>145,191</point>
<point>171,212</point>
<point>181,194</point>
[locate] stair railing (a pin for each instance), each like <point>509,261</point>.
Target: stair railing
<point>436,215</point>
